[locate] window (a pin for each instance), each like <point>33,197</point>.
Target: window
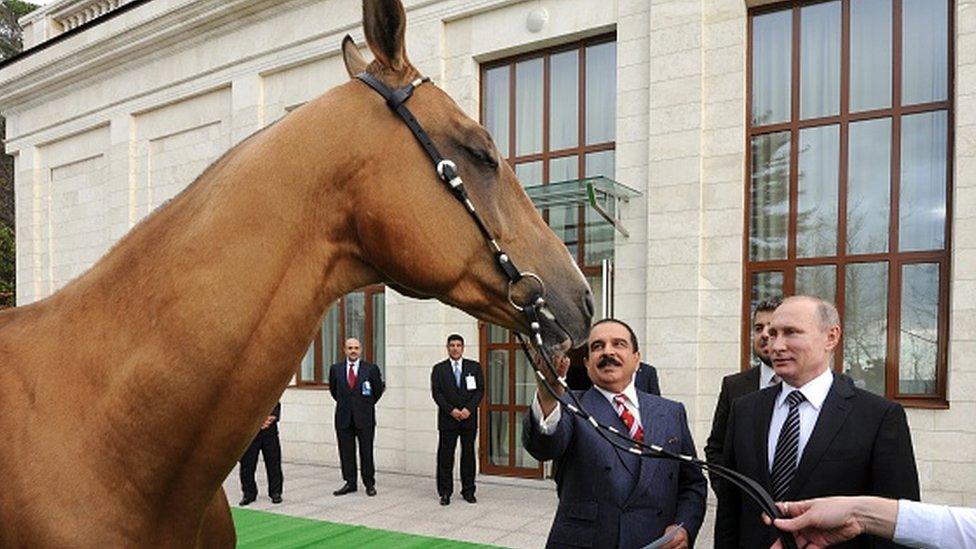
<point>552,114</point>
<point>849,162</point>
<point>360,314</point>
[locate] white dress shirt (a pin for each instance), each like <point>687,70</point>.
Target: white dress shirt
<point>355,368</point>
<point>815,392</point>
<point>547,425</point>
<point>935,526</point>
<point>766,374</point>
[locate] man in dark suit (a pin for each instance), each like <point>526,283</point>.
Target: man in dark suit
<point>356,386</point>
<point>457,386</point>
<point>742,383</point>
<point>814,434</point>
<point>610,497</point>
<point>268,444</point>
<point>646,379</point>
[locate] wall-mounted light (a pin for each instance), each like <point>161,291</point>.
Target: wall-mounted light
<point>537,19</point>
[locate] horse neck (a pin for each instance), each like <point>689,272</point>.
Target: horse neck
<point>207,307</point>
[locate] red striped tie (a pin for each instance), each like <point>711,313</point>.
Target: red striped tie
<point>634,428</point>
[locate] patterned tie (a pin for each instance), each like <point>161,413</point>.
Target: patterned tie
<point>787,446</point>
<point>352,376</point>
<point>457,375</point>
<point>634,428</point>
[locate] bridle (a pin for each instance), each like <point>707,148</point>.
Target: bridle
<point>447,172</point>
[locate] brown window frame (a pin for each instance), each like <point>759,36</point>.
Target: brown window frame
<point>321,374</point>
<point>580,150</point>
<point>894,259</point>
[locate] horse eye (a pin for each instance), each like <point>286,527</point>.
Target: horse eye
<point>483,156</point>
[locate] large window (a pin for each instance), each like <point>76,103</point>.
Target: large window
<point>552,114</point>
<point>849,162</point>
<point>360,314</point>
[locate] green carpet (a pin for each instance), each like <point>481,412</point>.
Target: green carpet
<point>261,530</point>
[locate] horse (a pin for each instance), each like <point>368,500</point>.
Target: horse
<point>128,395</point>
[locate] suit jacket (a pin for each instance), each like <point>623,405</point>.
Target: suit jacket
<point>646,379</point>
<point>612,498</point>
<point>273,428</point>
<point>860,445</point>
<point>448,395</point>
<point>733,387</point>
<point>353,409</point>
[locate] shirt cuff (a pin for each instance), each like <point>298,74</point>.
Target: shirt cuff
<point>918,524</point>
<point>547,426</point>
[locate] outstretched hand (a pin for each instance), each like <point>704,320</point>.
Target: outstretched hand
<point>817,523</point>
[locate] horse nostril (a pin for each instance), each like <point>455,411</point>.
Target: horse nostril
<point>588,303</point>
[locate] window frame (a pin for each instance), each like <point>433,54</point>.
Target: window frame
<point>894,259</point>
<point>580,150</point>
<point>321,375</point>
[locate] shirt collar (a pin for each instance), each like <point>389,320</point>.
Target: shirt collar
<point>630,392</point>
<point>766,373</point>
<point>815,390</point>
<point>457,362</point>
<point>354,363</point>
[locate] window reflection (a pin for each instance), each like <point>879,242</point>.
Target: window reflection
<point>563,100</point>
<point>498,377</point>
<point>498,451</point>
<point>817,196</point>
<point>819,60</point>
<point>529,174</point>
<point>772,36</point>
<point>869,186</point>
<point>870,55</point>
<point>919,341</point>
<point>817,280</point>
<point>922,200</point>
<point>601,92</point>
<point>769,185</point>
<point>330,337</point>
<point>528,106</point>
<point>866,324</point>
<point>925,55</point>
<point>495,115</point>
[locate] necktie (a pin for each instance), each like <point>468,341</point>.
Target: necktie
<point>457,375</point>
<point>352,376</point>
<point>633,428</point>
<point>787,446</point>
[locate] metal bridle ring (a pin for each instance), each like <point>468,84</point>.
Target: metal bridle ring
<point>442,163</point>
<point>525,274</point>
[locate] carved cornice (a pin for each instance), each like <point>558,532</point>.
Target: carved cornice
<point>79,12</point>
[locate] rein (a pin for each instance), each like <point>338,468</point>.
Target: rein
<point>447,172</point>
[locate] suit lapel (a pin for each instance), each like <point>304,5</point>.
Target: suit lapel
<point>833,414</point>
<point>603,412</point>
<point>652,421</point>
<point>761,429</point>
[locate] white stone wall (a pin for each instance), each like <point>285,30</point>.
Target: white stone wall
<point>108,124</point>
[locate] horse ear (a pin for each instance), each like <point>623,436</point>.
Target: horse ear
<point>355,63</point>
<point>384,22</point>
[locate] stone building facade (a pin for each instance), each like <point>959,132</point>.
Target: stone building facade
<point>113,114</point>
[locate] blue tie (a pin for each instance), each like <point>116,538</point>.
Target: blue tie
<point>457,375</point>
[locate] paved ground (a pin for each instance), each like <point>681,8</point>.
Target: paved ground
<point>510,512</point>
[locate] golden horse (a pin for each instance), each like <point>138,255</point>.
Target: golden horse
<point>127,397</point>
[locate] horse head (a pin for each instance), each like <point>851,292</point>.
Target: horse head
<point>417,235</point>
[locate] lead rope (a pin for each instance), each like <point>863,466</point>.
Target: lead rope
<point>447,172</point>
